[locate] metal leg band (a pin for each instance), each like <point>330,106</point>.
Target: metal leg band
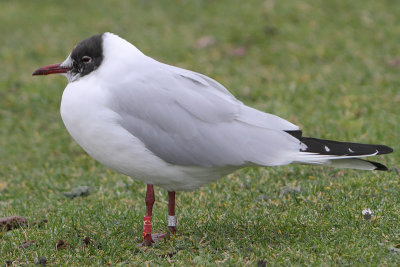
<point>171,220</point>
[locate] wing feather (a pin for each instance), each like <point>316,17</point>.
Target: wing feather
<point>186,118</point>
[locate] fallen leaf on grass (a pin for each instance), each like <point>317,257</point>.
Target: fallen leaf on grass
<point>167,255</point>
<point>41,223</point>
<point>61,244</point>
<point>80,191</point>
<point>12,222</point>
<point>89,241</point>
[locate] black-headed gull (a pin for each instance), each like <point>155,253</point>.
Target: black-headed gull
<point>175,128</point>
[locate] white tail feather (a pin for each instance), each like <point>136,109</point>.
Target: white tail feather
<point>345,162</point>
<point>358,164</point>
<point>315,158</point>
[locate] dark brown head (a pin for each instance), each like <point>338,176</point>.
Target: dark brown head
<point>85,58</point>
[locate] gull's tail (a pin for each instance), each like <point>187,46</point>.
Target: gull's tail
<point>338,154</point>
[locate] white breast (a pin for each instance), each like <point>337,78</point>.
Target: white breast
<point>96,128</point>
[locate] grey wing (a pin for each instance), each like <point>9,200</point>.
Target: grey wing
<point>188,119</point>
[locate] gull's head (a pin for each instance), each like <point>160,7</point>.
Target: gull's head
<point>88,56</point>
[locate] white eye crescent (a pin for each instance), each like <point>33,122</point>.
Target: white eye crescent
<point>86,59</point>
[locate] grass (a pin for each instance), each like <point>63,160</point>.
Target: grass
<point>329,66</point>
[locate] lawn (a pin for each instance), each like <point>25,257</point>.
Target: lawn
<point>332,67</point>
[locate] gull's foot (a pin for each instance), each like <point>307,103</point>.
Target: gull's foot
<point>158,237</point>
<point>171,230</point>
<point>148,239</point>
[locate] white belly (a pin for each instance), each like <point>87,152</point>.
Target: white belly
<point>96,128</point>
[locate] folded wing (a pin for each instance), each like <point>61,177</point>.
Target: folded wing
<point>188,119</point>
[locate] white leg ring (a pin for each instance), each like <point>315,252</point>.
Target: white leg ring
<point>171,220</point>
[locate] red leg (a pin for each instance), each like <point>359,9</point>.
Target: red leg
<point>171,212</point>
<point>147,239</point>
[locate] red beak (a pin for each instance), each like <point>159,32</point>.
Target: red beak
<point>51,69</point>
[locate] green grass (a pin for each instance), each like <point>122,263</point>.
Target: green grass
<point>325,65</point>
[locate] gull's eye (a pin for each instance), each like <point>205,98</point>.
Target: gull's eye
<point>86,59</point>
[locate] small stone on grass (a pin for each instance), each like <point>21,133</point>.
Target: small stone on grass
<point>394,250</point>
<point>42,261</point>
<point>367,214</point>
<point>80,191</point>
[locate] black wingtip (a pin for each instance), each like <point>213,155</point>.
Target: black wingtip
<point>379,166</point>
<point>339,148</point>
<point>295,133</point>
<point>382,149</point>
